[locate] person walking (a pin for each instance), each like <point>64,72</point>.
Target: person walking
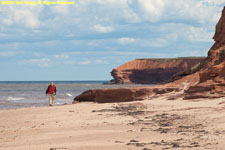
<point>51,92</point>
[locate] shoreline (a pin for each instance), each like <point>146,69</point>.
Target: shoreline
<point>26,107</point>
<point>149,124</point>
<point>29,94</point>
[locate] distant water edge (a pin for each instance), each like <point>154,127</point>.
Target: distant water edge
<point>22,94</point>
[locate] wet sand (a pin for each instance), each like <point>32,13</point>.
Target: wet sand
<point>147,125</point>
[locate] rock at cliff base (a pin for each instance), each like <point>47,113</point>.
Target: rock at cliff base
<point>122,94</point>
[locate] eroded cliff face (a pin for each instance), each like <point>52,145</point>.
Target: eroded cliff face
<point>211,81</point>
<point>152,71</point>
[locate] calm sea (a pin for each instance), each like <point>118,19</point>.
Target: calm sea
<point>21,94</point>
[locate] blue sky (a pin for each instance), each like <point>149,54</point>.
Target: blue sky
<point>87,40</point>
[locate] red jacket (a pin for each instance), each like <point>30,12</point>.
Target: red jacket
<point>51,89</point>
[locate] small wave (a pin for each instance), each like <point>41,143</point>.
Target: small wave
<point>68,94</point>
<point>15,98</point>
<point>58,103</point>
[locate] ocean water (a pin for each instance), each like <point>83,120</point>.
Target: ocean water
<point>22,94</point>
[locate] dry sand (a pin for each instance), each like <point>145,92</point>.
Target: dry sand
<point>147,125</point>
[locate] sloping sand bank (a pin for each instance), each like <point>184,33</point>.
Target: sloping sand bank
<point>151,124</point>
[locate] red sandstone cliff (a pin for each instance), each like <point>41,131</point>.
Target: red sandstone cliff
<point>211,80</point>
<point>208,81</point>
<point>151,71</point>
<point>122,94</point>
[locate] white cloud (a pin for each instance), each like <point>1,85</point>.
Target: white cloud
<point>126,40</point>
<point>39,60</point>
<point>199,34</point>
<point>158,42</point>
<point>213,2</point>
<point>173,32</point>
<point>103,29</point>
<point>24,16</point>
<point>93,62</point>
<point>152,9</point>
<point>70,62</point>
<point>86,53</point>
<point>61,56</point>
<point>77,27</point>
<point>60,9</point>
<point>86,62</point>
<point>99,61</point>
<point>129,53</point>
<point>106,16</point>
<point>172,36</point>
<point>112,2</point>
<point>7,54</point>
<point>191,11</point>
<point>42,62</point>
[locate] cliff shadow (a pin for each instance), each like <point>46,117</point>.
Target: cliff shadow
<point>153,76</point>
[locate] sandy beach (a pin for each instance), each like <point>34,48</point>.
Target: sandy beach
<point>146,125</point>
